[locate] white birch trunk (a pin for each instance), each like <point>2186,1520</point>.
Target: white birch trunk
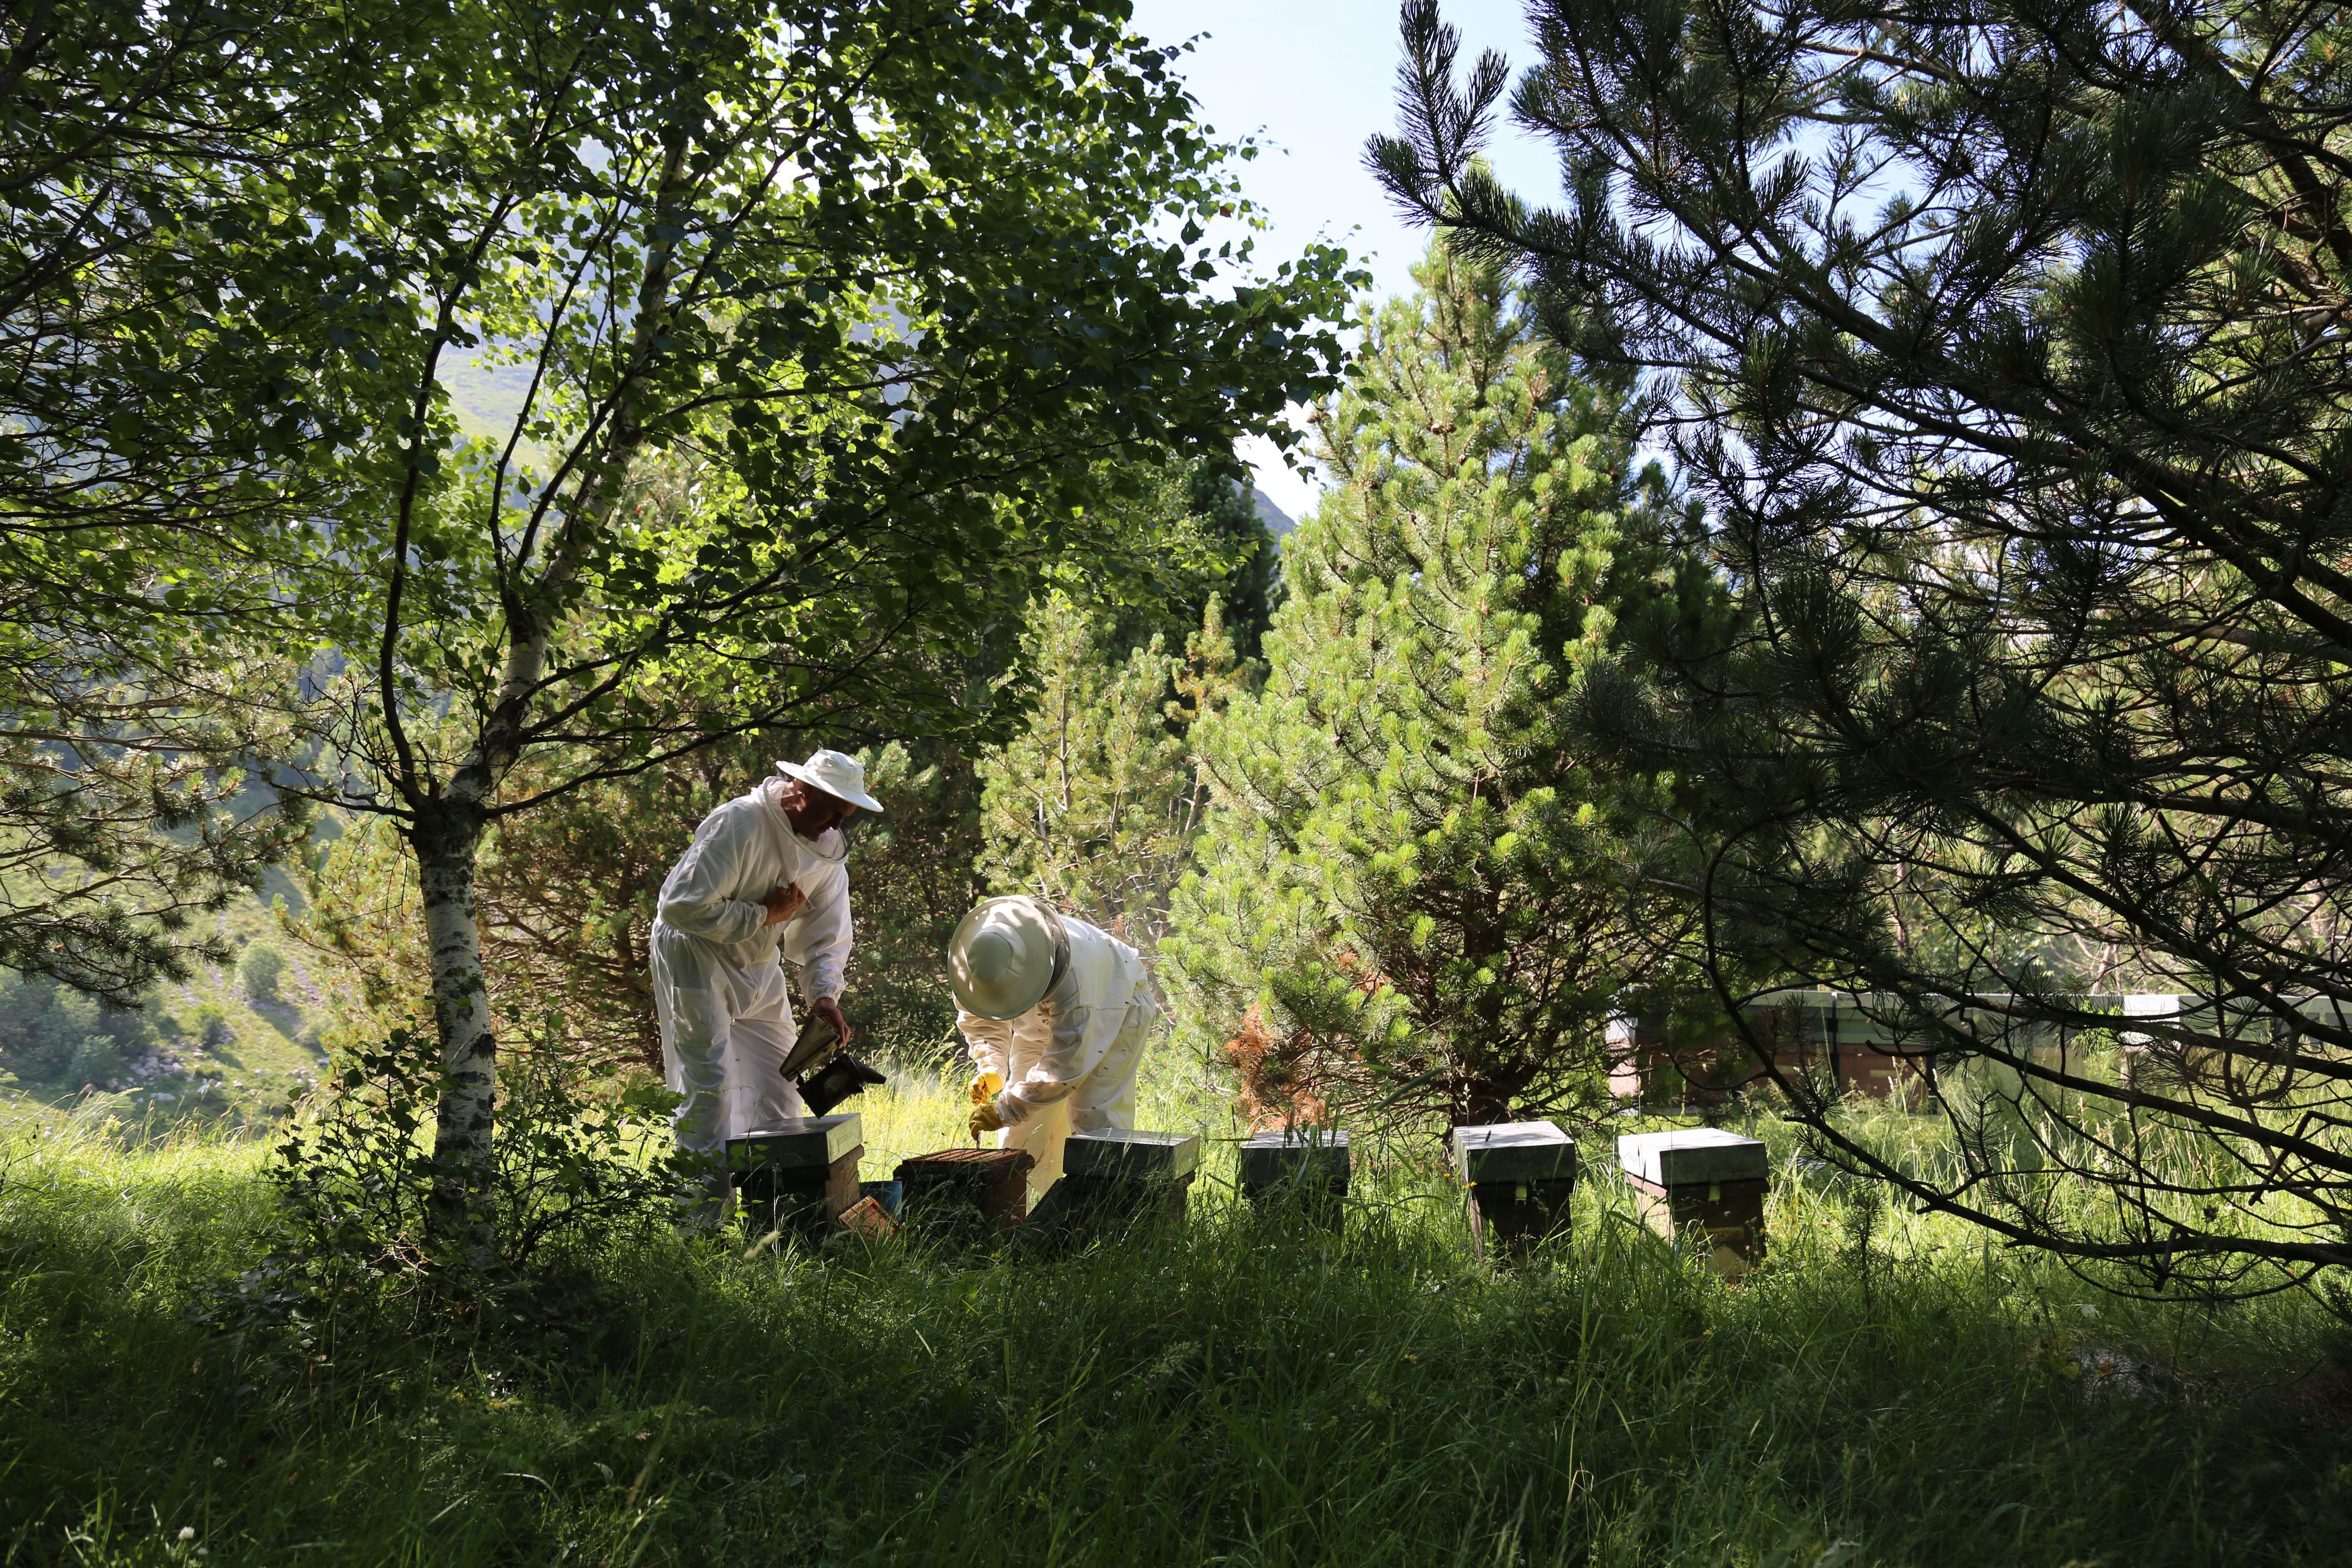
<point>463,1211</point>
<point>447,834</point>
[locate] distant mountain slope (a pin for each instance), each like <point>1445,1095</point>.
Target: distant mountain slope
<point>488,398</point>
<point>1277,521</point>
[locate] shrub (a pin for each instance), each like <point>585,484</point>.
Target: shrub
<point>40,1024</point>
<point>577,1169</point>
<point>260,970</point>
<point>95,1060</point>
<point>45,1027</point>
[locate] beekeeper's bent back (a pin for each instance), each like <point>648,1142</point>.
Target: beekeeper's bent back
<point>1059,1010</point>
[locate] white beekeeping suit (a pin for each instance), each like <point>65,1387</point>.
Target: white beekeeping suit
<point>726,1011</point>
<point>1059,1011</point>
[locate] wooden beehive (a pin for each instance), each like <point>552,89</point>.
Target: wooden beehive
<point>1521,1176</point>
<point>990,1185</point>
<point>799,1174</point>
<point>1122,1155</point>
<point>1307,1167</point>
<point>1701,1180</point>
<point>1115,1180</point>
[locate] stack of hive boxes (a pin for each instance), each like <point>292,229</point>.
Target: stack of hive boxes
<point>1522,1175</point>
<point>1307,1166</point>
<point>1701,1180</point>
<point>798,1175</point>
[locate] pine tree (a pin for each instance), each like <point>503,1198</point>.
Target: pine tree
<point>1412,883</point>
<point>2001,343</point>
<point>1224,510</point>
<point>1096,806</point>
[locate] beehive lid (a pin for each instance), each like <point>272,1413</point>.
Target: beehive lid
<point>1695,1155</point>
<point>1271,1157</point>
<point>1514,1151</point>
<point>1132,1156</point>
<point>798,1141</point>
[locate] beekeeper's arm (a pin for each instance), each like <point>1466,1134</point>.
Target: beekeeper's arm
<point>988,1041</point>
<point>694,898</point>
<point>1060,1070</point>
<point>818,941</point>
<point>818,938</point>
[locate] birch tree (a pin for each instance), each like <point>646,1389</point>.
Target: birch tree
<point>798,334</point>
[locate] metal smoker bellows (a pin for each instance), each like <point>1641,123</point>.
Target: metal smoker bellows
<point>825,1073</point>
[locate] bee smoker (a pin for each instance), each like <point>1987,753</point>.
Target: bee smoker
<point>825,1073</point>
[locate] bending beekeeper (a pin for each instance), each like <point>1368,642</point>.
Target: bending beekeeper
<point>1056,1012</point>
<point>763,882</point>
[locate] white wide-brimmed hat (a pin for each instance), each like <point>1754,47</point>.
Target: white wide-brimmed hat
<point>836,773</point>
<point>1001,959</point>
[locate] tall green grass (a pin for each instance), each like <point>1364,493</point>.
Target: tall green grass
<point>1245,1391</point>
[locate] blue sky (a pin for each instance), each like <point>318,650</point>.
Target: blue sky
<point>1316,78</point>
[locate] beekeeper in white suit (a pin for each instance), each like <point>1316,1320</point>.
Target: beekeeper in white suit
<point>1056,1012</point>
<point>763,879</point>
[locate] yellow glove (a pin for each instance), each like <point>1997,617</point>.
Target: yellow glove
<point>985,1087</point>
<point>984,1118</point>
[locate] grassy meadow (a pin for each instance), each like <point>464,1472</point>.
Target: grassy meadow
<point>1889,1390</point>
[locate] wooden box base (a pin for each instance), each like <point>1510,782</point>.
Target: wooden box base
<point>1296,1184</point>
<point>869,1219</point>
<point>1731,1214</point>
<point>1322,1205</point>
<point>1507,1218</point>
<point>806,1199</point>
<point>1077,1209</point>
